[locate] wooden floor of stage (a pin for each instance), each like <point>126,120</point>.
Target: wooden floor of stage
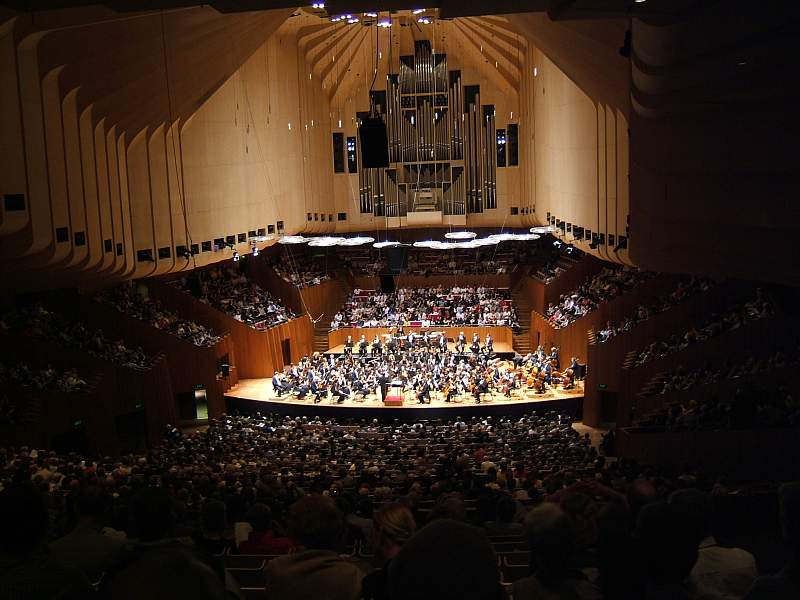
<point>261,390</point>
<point>499,348</point>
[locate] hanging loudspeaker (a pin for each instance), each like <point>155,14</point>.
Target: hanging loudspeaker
<point>374,143</point>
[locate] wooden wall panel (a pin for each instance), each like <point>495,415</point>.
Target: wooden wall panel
<point>761,454</point>
<point>255,353</point>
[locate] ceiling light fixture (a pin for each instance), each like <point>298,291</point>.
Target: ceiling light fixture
<point>356,241</point>
<point>292,239</point>
<point>460,235</point>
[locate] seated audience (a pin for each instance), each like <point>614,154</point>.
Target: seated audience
<point>683,291</point>
<point>42,324</point>
<point>429,307</point>
<point>230,291</point>
<point>301,270</point>
<point>48,379</point>
<point>135,304</point>
<point>733,318</point>
<point>606,285</point>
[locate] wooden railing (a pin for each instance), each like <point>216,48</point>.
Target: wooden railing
<point>606,358</point>
<point>189,366</point>
<point>758,454</point>
<point>255,353</point>
<point>755,339</point>
<point>573,339</point>
<point>115,391</point>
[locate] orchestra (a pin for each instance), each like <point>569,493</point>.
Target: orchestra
<point>423,366</point>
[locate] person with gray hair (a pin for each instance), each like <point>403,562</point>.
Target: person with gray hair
<point>552,541</point>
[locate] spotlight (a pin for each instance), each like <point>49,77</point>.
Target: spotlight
<point>255,249</point>
<point>235,256</point>
<point>186,254</point>
<point>622,243</point>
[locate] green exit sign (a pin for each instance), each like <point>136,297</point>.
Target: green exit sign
<point>602,386</point>
<point>77,423</point>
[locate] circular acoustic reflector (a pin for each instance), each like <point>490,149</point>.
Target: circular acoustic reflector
<point>264,238</point>
<point>324,242</point>
<point>460,235</point>
<point>526,237</point>
<point>292,239</point>
<point>542,229</point>
<point>483,242</point>
<point>386,244</point>
<point>502,237</point>
<point>425,244</point>
<point>356,241</point>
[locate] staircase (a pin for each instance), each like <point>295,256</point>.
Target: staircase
<point>522,339</point>
<point>323,326</point>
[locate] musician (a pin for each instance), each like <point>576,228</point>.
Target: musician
<point>348,346</point>
<point>424,391</point>
<point>317,390</point>
<point>391,345</point>
<point>481,386</point>
<point>461,343</point>
<point>362,345</point>
<point>376,346</point>
<point>489,345</point>
<point>442,342</point>
<point>340,390</point>
<point>278,384</point>
<point>554,358</point>
<point>411,339</point>
<point>475,347</point>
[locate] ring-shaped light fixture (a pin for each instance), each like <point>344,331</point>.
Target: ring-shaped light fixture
<point>386,244</point>
<point>357,241</point>
<point>324,242</point>
<point>542,229</point>
<point>292,239</point>
<point>460,235</point>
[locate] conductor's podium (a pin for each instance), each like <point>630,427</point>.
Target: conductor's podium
<point>394,396</point>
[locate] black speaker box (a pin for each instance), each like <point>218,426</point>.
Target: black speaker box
<point>374,143</point>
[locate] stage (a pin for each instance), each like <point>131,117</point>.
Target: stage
<point>501,349</point>
<point>256,395</point>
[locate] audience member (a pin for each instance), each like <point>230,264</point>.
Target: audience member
<point>315,570</point>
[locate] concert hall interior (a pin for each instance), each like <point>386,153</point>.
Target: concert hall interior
<point>371,299</point>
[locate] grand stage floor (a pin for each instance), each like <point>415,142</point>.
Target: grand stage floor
<point>257,394</point>
<point>500,348</point>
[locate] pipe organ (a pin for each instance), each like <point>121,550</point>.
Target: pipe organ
<point>442,146</point>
